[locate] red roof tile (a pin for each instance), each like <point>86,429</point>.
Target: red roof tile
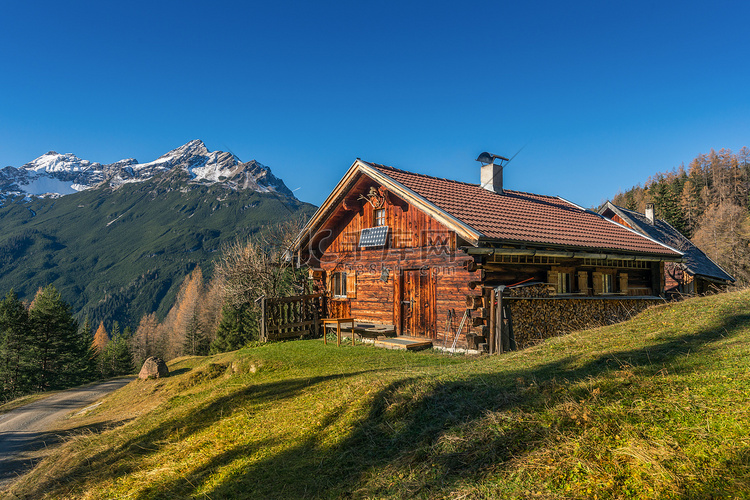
<point>524,217</point>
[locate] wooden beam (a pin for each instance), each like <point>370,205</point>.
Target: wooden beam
<point>493,321</point>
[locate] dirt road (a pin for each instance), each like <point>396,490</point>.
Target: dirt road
<point>25,431</point>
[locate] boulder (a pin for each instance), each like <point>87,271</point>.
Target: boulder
<point>154,367</point>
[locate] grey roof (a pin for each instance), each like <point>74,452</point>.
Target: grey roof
<point>696,262</point>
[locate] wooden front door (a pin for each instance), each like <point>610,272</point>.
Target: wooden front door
<point>417,304</point>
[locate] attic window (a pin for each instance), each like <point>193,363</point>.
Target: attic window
<point>379,217</point>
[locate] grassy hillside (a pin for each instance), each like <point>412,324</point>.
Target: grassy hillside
<point>654,408</point>
<point>119,254</point>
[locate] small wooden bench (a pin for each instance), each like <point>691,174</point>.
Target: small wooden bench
<point>363,329</point>
<point>373,330</point>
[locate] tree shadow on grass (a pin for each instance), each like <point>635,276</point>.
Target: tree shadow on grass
<point>179,371</point>
<point>23,450</point>
<point>199,418</point>
<point>407,436</point>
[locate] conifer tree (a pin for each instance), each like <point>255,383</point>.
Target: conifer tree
<point>101,339</point>
<point>99,347</point>
<point>87,360</point>
<point>196,342</point>
<point>144,343</point>
<point>117,354</point>
<point>238,327</point>
<point>54,347</point>
<point>15,338</point>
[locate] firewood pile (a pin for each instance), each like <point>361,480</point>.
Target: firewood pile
<point>540,290</point>
<point>535,320</point>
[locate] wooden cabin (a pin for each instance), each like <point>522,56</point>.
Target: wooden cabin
<point>393,247</point>
<point>696,274</point>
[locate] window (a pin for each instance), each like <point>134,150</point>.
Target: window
<point>604,282</point>
<point>338,285</point>
<point>379,217</point>
<point>561,281</point>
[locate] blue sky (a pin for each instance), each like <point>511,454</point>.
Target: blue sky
<point>593,96</point>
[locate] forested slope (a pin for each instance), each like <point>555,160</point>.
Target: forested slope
<point>117,254</point>
<point>708,202</point>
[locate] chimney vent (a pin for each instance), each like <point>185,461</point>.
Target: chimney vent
<point>491,177</point>
<point>650,213</point>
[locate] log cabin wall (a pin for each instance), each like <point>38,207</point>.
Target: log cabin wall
<point>418,250</point>
<point>422,253</point>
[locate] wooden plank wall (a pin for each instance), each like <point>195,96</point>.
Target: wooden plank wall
<point>408,228</point>
<point>417,241</point>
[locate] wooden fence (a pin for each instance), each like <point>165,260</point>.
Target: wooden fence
<point>290,317</point>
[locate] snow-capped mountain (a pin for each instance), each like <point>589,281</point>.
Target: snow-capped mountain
<point>54,174</point>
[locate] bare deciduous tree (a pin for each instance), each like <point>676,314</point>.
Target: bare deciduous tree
<point>260,266</point>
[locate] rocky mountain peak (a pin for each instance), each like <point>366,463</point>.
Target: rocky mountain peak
<point>58,174</point>
<point>193,148</point>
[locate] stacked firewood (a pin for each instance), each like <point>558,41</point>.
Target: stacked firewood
<point>535,320</point>
<point>540,290</point>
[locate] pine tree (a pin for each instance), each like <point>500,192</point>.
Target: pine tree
<point>116,358</point>
<point>15,338</point>
<point>196,342</point>
<point>118,355</point>
<point>690,206</point>
<point>238,327</point>
<point>54,345</point>
<point>87,354</point>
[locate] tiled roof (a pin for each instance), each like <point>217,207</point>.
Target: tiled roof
<point>523,217</point>
<point>697,262</point>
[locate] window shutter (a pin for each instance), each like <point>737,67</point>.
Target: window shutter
<point>583,282</point>
<point>329,283</point>
<point>552,279</point>
<point>351,285</point>
<point>598,283</point>
<point>624,283</point>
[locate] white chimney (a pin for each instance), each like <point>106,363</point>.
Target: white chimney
<point>650,213</point>
<point>491,176</point>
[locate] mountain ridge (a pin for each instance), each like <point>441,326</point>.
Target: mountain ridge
<point>120,249</point>
<point>54,174</point>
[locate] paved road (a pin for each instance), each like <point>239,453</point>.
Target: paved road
<point>26,430</point>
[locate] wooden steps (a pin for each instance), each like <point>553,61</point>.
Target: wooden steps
<point>404,342</point>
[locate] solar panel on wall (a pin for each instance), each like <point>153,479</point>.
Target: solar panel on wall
<point>373,237</point>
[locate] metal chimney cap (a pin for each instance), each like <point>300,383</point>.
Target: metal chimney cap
<point>486,158</point>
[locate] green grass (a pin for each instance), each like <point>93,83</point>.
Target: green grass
<point>657,407</point>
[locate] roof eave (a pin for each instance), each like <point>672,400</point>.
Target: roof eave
<point>573,251</point>
<point>325,208</point>
<point>466,232</point>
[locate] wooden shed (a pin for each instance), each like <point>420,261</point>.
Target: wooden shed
<point>414,251</point>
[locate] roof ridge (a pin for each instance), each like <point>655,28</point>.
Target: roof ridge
<point>513,191</point>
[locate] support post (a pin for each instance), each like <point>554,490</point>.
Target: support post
<point>493,321</point>
<point>316,318</point>
<point>500,334</point>
<point>263,320</point>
